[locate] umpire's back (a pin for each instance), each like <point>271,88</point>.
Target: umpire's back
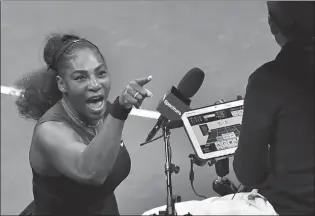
<point>290,187</point>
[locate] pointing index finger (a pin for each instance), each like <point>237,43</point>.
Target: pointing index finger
<point>143,81</point>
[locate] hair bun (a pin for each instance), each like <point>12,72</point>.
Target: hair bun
<point>54,44</point>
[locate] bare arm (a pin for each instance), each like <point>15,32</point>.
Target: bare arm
<point>89,164</point>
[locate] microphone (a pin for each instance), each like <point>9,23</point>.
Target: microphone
<point>176,101</point>
<point>175,124</point>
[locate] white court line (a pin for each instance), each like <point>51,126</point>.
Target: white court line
<point>136,112</point>
<point>10,91</point>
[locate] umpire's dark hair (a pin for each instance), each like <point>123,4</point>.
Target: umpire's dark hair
<point>295,19</point>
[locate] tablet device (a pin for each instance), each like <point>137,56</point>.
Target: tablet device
<point>214,130</point>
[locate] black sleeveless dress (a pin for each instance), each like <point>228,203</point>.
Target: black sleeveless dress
<point>62,195</point>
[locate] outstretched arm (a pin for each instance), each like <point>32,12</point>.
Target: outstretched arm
<point>89,164</point>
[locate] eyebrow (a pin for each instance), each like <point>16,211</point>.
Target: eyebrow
<point>84,71</point>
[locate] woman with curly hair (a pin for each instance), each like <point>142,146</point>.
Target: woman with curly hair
<point>77,155</point>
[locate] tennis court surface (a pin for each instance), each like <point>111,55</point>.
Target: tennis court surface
<point>228,40</point>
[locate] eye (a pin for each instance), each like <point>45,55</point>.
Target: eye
<point>102,73</point>
<point>79,77</point>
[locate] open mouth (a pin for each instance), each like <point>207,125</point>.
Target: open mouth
<point>96,102</point>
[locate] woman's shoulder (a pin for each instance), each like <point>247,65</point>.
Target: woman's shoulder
<point>55,119</point>
<point>55,113</point>
<point>60,129</point>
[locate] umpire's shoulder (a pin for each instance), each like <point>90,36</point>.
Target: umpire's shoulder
<point>265,72</point>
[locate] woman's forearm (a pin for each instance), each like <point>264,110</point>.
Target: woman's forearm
<point>100,155</point>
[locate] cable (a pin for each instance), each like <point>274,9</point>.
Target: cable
<point>170,153</point>
<point>191,178</point>
<point>151,140</point>
<point>192,186</point>
<point>236,191</point>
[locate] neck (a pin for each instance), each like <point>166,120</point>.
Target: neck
<point>75,115</point>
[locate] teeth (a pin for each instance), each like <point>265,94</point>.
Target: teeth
<point>96,105</point>
<point>94,99</point>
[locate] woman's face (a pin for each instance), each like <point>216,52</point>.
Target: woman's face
<point>87,85</point>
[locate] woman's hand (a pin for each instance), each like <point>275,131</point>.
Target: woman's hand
<point>135,93</point>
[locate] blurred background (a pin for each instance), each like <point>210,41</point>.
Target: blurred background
<point>228,40</point>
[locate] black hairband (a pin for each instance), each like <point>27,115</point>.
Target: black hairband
<point>58,54</point>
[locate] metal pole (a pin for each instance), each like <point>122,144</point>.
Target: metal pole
<point>170,206</point>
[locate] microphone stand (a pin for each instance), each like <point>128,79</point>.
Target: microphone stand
<point>169,169</point>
